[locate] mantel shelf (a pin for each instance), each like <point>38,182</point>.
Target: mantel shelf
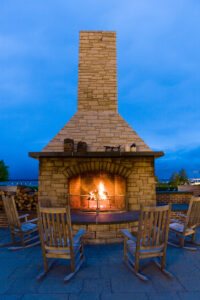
<point>102,154</point>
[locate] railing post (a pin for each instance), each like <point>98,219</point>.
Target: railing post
<point>97,204</point>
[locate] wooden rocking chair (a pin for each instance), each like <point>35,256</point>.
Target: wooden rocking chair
<point>186,228</point>
<point>27,231</point>
<point>57,241</point>
<point>150,241</point>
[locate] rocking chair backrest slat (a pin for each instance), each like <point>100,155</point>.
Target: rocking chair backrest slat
<point>11,212</point>
<point>153,227</point>
<point>193,215</point>
<point>55,227</point>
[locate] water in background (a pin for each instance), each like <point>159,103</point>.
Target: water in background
<point>33,182</point>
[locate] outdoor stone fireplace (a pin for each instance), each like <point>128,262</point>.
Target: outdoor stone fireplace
<point>100,173</point>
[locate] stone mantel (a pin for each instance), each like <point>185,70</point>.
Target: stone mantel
<point>155,154</point>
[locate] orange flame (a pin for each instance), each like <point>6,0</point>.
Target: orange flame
<point>102,191</point>
<point>102,197</point>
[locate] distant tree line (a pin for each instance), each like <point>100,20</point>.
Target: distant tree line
<point>180,178</point>
<point>3,171</point>
<point>177,178</point>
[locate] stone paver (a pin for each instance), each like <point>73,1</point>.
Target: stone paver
<point>103,276</point>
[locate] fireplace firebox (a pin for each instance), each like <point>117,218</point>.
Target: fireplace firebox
<point>97,191</point>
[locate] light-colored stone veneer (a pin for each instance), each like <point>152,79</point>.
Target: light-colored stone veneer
<point>138,171</point>
<point>97,72</point>
<point>98,129</point>
<point>105,233</point>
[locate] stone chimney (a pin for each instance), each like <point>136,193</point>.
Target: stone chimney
<point>97,76</point>
<point>97,121</point>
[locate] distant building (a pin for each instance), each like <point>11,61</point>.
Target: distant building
<point>194,181</point>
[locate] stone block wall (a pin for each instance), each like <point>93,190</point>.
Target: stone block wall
<point>105,233</point>
<point>138,171</point>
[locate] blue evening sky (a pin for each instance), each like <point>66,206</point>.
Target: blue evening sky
<point>158,59</point>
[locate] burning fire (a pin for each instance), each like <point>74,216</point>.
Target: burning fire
<point>102,193</point>
<point>99,195</point>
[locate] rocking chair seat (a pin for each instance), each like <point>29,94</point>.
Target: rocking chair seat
<point>177,227</point>
<point>29,226</point>
<point>132,247</point>
<point>75,248</point>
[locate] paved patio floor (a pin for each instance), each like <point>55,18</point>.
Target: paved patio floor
<point>103,276</point>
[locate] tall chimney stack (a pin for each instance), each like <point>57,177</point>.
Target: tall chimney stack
<point>97,76</point>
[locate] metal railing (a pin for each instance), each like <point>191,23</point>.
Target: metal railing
<point>96,203</point>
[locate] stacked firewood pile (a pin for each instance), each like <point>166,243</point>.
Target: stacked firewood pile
<point>25,198</point>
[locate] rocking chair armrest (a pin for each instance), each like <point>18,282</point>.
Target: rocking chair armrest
<point>175,221</point>
<point>32,221</point>
<point>24,216</point>
<point>79,235</point>
<point>128,235</point>
<point>182,215</point>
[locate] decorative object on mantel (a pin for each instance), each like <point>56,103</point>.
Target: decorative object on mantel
<point>133,148</point>
<point>127,148</point>
<point>68,145</point>
<point>112,148</point>
<point>82,147</point>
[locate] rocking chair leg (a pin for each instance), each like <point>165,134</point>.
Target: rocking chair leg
<point>131,265</point>
<point>136,264</point>
<point>22,240</point>
<point>185,247</point>
<point>161,268</point>
<point>82,253</point>
<point>13,238</point>
<point>125,249</point>
<point>14,242</point>
<point>193,239</point>
<point>45,263</point>
<point>196,244</point>
<point>72,265</point>
<point>47,268</point>
<point>80,261</point>
<point>182,241</point>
